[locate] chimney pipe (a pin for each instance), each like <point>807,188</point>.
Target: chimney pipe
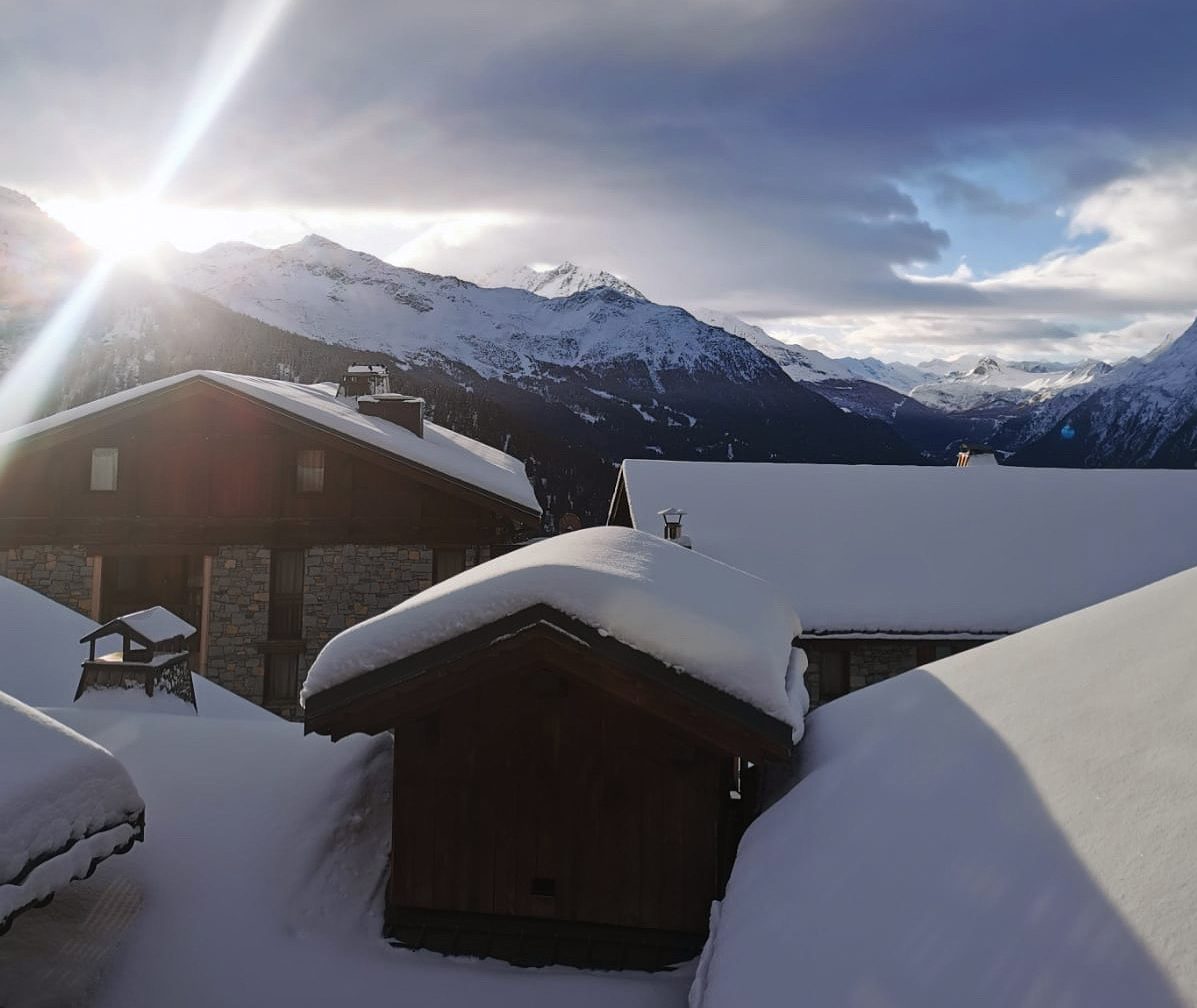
<point>673,523</point>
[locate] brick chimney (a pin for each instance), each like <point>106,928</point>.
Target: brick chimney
<point>406,411</point>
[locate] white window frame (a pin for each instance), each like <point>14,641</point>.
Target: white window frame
<point>105,469</point>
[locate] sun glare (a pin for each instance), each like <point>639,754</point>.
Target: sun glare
<point>116,227</point>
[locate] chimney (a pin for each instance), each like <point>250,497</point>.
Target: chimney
<point>364,379</point>
<point>673,526</point>
<point>406,411</point>
<point>975,455</point>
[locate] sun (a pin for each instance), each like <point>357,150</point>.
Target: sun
<point>121,227</point>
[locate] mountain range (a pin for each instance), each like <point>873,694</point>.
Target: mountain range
<point>575,369</point>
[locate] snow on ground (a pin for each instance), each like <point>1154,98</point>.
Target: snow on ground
<point>1010,826</point>
<point>932,549</point>
<point>64,802</point>
<point>41,661</point>
<point>711,621</point>
<point>262,870</point>
<point>260,879</point>
<point>440,449</point>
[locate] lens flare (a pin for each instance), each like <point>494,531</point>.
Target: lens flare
<point>236,44</point>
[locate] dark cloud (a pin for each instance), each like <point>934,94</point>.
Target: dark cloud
<point>710,150</point>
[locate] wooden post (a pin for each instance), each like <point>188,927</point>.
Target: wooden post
<point>205,614</point>
<point>97,578</point>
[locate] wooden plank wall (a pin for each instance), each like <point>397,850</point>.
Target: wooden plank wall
<point>540,796</point>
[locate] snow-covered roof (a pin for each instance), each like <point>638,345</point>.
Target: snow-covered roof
<point>39,640</point>
<point>155,625</point>
<point>65,803</point>
<point>928,550</point>
<point>713,622</point>
<point>366,369</point>
<point>1010,826</point>
<point>441,450</point>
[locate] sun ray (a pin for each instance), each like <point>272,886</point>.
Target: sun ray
<point>236,44</point>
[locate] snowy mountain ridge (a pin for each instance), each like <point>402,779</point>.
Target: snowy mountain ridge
<point>558,281</point>
<point>992,381</point>
<point>320,289</point>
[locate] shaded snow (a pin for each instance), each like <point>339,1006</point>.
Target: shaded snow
<point>1010,826</point>
<point>929,549</point>
<point>64,801</point>
<point>42,659</point>
<point>711,621</point>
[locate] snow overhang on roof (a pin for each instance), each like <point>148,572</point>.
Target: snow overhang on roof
<point>923,551</point>
<point>454,457</point>
<point>65,805</point>
<point>701,618</point>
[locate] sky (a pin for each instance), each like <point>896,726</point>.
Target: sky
<point>907,180</point>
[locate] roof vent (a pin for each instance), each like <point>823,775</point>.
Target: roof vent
<point>364,379</point>
<point>673,526</point>
<point>406,411</point>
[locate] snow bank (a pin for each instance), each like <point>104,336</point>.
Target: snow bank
<point>923,549</point>
<point>262,878</point>
<point>442,450</point>
<point>64,802</point>
<point>41,659</point>
<point>711,621</point>
<point>1010,826</point>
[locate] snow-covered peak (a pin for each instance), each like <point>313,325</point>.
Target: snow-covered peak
<point>559,281</point>
<point>993,380</point>
<point>806,365</point>
<point>320,289</point>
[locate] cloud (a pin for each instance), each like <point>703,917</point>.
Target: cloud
<point>755,155</point>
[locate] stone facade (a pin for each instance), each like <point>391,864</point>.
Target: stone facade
<point>872,661</point>
<point>63,573</point>
<point>239,607</point>
<point>346,584</point>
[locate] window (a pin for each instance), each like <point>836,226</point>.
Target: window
<point>285,620</point>
<point>309,471</point>
<point>103,468</point>
<point>281,687</point>
<point>446,563</point>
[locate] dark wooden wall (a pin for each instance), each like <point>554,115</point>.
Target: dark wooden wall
<point>536,783</point>
<point>206,467</point>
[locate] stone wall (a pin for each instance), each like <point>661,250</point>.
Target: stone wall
<point>239,606</point>
<point>872,661</point>
<point>63,573</point>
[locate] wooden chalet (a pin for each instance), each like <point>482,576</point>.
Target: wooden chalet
<point>267,514</point>
<point>560,796</point>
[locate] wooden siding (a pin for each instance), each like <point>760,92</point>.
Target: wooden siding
<point>538,795</point>
<point>205,467</point>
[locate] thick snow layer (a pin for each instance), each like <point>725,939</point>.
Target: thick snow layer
<point>261,881</point>
<point>157,624</point>
<point>921,549</point>
<point>442,450</point>
<point>1010,826</point>
<point>56,790</point>
<point>41,658</point>
<point>712,622</point>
